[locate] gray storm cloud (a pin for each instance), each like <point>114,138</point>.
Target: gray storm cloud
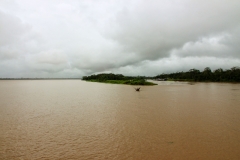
<point>75,38</point>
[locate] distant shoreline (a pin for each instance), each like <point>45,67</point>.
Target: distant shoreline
<point>125,82</point>
<point>117,79</point>
<point>40,79</point>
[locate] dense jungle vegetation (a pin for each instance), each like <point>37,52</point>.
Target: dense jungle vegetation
<point>207,75</point>
<point>117,79</point>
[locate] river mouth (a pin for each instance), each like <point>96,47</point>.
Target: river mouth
<point>74,119</point>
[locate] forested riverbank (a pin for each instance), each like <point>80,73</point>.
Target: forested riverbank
<point>117,79</point>
<point>207,75</point>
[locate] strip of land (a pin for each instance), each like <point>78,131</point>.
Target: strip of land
<point>193,75</point>
<point>207,75</point>
<point>117,79</point>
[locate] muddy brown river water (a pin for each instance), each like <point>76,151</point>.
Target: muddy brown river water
<point>73,119</point>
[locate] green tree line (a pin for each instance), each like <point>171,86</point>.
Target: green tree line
<point>104,77</point>
<point>218,75</point>
<point>111,76</point>
<point>117,79</point>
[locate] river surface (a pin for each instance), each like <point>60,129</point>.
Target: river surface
<point>74,119</point>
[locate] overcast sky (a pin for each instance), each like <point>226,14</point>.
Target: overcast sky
<point>74,38</point>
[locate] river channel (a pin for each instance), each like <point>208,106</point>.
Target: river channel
<point>74,119</point>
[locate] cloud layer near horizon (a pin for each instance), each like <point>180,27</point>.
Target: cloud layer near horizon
<point>73,38</point>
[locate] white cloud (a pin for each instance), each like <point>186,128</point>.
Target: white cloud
<point>206,46</point>
<point>54,57</point>
<point>73,38</point>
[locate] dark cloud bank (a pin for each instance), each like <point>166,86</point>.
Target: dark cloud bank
<point>75,38</point>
